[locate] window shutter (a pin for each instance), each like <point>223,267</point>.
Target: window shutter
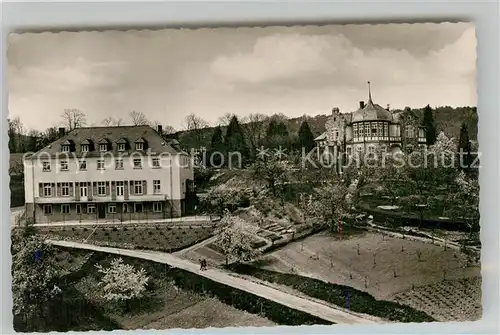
<point>132,188</point>
<point>58,189</point>
<point>94,188</point>
<point>40,189</point>
<point>113,190</point>
<point>53,190</point>
<point>70,189</point>
<point>125,190</point>
<point>144,187</point>
<point>107,188</point>
<point>77,191</point>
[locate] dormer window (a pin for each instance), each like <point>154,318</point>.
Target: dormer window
<point>86,145</point>
<point>122,144</point>
<point>66,146</point>
<point>140,144</point>
<point>104,145</point>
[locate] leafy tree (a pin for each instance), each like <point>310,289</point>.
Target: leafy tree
<point>464,147</point>
<point>272,171</point>
<point>429,125</point>
<point>306,137</point>
<point>235,139</point>
<point>122,282</point>
<point>234,240</point>
<point>277,134</point>
<point>426,171</point>
<point>34,276</point>
<point>216,146</point>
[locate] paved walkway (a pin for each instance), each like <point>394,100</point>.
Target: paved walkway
<point>317,309</point>
<point>178,221</point>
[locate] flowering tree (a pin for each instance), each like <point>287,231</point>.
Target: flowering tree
<point>234,239</point>
<point>330,204</point>
<point>34,276</point>
<point>221,198</point>
<point>466,201</point>
<point>122,282</point>
<point>425,172</point>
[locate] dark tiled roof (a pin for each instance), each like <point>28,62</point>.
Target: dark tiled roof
<point>321,137</point>
<point>371,112</point>
<point>347,117</point>
<point>113,136</point>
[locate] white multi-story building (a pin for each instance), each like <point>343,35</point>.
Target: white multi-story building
<point>108,173</point>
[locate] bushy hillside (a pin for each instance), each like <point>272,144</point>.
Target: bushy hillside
<point>448,120</point>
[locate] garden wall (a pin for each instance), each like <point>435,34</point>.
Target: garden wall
<point>381,216</point>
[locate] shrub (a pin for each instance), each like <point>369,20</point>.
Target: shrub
<point>121,282</point>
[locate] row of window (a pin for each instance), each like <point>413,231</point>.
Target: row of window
<point>82,164</point>
<point>91,208</point>
<point>371,129</point>
<point>66,188</point>
<point>103,147</point>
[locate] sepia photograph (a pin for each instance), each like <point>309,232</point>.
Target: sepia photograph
<point>244,176</point>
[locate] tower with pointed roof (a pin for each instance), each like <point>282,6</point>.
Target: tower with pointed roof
<point>369,129</point>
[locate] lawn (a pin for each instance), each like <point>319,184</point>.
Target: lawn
<point>160,238</point>
<point>387,268</point>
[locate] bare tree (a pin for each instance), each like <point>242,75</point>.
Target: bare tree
<point>138,118</point>
<point>167,130</point>
<point>193,122</point>
<point>111,121</point>
<point>225,119</point>
<point>107,121</point>
<point>74,118</point>
<point>254,129</point>
<point>154,124</point>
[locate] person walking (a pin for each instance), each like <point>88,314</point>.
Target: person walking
<point>204,264</point>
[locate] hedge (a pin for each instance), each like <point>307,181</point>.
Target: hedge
<point>360,301</point>
<point>189,281</point>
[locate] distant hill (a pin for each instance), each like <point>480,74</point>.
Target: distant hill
<point>448,120</point>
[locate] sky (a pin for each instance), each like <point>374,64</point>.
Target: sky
<point>168,74</point>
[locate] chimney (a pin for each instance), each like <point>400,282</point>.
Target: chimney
<point>62,131</point>
<point>388,108</point>
<point>160,129</point>
<point>361,104</point>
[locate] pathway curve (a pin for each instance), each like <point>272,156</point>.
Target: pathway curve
<point>322,311</point>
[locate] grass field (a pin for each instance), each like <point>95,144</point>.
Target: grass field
<point>164,305</point>
<point>159,238</point>
<point>426,276</point>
